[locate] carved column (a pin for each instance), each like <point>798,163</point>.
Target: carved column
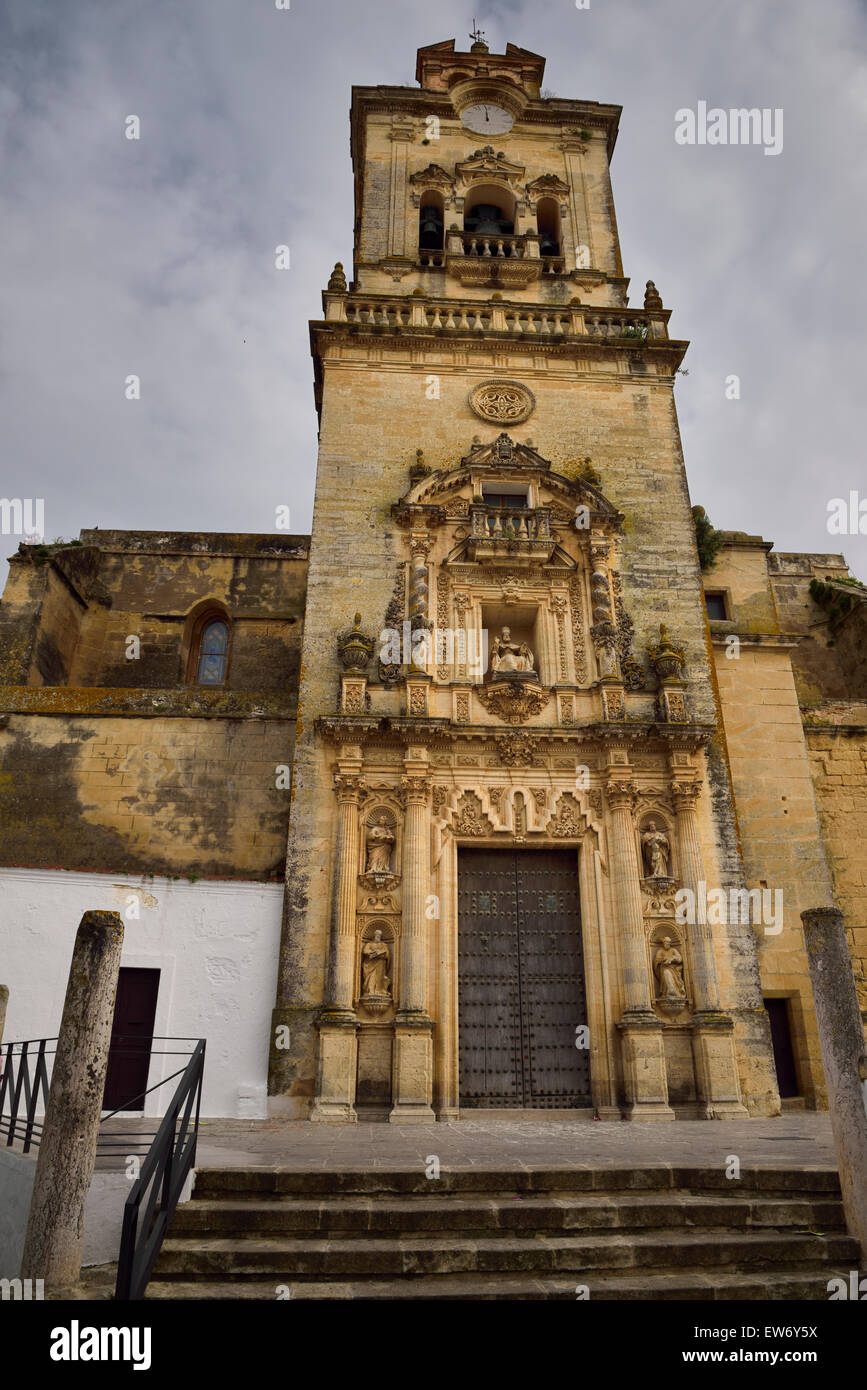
<point>338,1026</point>
<point>716,1076</point>
<point>412,1078</point>
<point>644,1072</point>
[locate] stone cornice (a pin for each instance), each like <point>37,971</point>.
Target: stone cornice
<point>401,730</point>
<point>147,703</point>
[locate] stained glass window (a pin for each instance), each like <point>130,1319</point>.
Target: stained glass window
<point>213,650</point>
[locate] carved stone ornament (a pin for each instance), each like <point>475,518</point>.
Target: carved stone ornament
<point>337,279</point>
<point>355,648</point>
<point>518,750</point>
<point>513,701</point>
<point>566,821</point>
<point>502,402</point>
<point>470,818</point>
<point>666,658</point>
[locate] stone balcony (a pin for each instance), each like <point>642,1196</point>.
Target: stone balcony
<point>510,535</point>
<point>513,262</point>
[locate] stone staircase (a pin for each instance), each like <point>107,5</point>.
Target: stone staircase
<point>649,1233</point>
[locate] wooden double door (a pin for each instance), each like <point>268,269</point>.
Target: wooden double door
<point>521,996</point>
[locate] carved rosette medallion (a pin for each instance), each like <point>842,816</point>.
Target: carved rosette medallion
<point>502,402</point>
<point>513,701</point>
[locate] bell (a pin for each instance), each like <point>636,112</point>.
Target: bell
<point>487,220</point>
<point>548,246</point>
<point>431,232</point>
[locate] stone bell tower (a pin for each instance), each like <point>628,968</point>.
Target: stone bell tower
<point>508,758</point>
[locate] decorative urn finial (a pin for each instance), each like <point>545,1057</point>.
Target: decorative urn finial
<point>666,659</point>
<point>652,297</point>
<point>337,280</point>
<point>355,648</point>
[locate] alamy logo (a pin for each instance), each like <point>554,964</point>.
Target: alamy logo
<point>23,516</point>
<point>25,1289</point>
<point>444,645</point>
<point>718,908</point>
<point>737,126</point>
<point>77,1343</point>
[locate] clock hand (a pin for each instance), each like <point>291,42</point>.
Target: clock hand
<point>487,117</point>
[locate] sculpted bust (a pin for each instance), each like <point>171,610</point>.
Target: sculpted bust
<point>507,655</point>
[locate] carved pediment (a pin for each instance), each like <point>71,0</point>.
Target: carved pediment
<point>548,185</point>
<point>504,452</point>
<point>434,176</point>
<point>486,162</point>
<point>444,495</point>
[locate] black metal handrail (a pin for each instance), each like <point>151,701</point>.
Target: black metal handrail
<point>25,1082</point>
<point>151,1203</point>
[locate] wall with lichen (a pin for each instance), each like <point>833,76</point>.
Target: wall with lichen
<point>69,612</point>
<point>82,788</point>
<point>837,744</point>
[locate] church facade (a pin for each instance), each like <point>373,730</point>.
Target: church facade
<point>558,794</point>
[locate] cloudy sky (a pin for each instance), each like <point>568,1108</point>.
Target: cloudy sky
<point>156,257</point>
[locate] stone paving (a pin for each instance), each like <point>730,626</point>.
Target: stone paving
<point>801,1140</point>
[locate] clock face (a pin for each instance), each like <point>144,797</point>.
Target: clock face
<point>486,119</point>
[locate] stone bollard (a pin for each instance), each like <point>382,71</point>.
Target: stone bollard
<point>4,1000</point>
<point>841,1034</point>
<point>67,1154</point>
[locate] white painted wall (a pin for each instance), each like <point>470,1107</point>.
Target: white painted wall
<point>216,945</point>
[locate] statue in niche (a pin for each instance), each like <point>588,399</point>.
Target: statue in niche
<point>668,969</point>
<point>380,838</point>
<point>657,850</point>
<point>508,656</point>
<point>375,961</point>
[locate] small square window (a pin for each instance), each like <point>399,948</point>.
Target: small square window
<point>715,603</point>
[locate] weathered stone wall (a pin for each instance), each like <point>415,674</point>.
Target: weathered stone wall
<point>68,612</point>
<point>838,759</point>
<point>830,660</point>
<point>189,796</point>
<point>779,829</point>
<point>122,764</point>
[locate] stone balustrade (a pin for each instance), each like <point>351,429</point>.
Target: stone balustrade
<point>511,523</point>
<point>384,314</point>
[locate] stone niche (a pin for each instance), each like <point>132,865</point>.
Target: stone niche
<point>376,969</point>
<point>380,849</point>
<point>522,620</point>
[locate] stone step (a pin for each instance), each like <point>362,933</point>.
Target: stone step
<point>499,1213</point>
<point>286,1181</point>
<point>285,1258</point>
<point>686,1284</point>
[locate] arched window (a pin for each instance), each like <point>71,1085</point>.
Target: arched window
<point>548,224</point>
<point>213,652</point>
<point>430,222</point>
<point>489,210</point>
